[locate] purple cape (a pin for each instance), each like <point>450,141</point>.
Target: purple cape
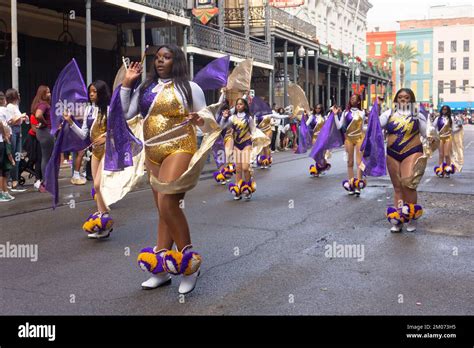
<point>218,152</point>
<point>120,144</point>
<point>304,139</point>
<point>259,107</point>
<point>67,141</point>
<point>373,149</point>
<point>69,91</point>
<point>213,75</point>
<point>329,138</point>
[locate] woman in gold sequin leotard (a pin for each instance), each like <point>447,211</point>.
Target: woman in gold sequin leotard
<point>351,122</point>
<point>168,102</point>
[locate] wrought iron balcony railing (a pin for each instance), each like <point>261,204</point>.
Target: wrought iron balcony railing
<point>175,7</point>
<point>228,41</point>
<point>278,19</point>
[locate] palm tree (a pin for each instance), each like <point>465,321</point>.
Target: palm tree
<point>404,54</point>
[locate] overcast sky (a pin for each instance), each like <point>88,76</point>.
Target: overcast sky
<point>385,13</point>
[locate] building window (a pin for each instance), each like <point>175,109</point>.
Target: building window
<point>368,49</point>
<point>414,45</point>
<point>453,63</point>
<point>466,45</point>
<point>453,46</point>
<point>440,64</point>
<point>426,66</point>
<point>440,86</point>
<point>440,46</point>
<point>390,47</point>
<point>464,85</point>
<point>465,63</point>
<point>378,49</point>
<point>426,46</point>
<point>452,87</point>
<point>426,90</point>
<point>414,87</point>
<point>414,68</point>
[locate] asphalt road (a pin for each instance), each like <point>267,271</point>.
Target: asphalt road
<point>261,257</point>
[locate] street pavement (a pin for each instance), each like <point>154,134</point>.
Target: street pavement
<point>266,256</point>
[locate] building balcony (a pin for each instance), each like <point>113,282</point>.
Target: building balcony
<point>228,41</point>
<point>278,20</point>
<point>176,7</point>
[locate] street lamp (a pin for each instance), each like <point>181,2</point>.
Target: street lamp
<point>357,75</point>
<point>301,54</point>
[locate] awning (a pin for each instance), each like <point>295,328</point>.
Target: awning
<point>459,105</point>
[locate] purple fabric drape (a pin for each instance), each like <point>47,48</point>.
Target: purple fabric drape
<point>218,152</point>
<point>373,149</point>
<point>69,92</point>
<point>329,138</point>
<point>259,107</point>
<point>67,141</point>
<point>120,144</point>
<point>213,75</point>
<point>304,139</point>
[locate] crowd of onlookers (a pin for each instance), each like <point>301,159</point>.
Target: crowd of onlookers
<point>26,143</point>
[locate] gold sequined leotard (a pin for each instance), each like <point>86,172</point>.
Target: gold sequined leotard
<point>354,132</point>
<point>317,129</point>
<point>98,128</point>
<point>445,129</point>
<point>167,112</point>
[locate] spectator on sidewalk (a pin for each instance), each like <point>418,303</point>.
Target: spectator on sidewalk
<point>5,150</point>
<point>33,150</point>
<point>41,108</point>
<point>15,119</point>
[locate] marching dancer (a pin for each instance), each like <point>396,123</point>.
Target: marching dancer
<point>446,127</point>
<point>94,126</point>
<point>169,102</point>
<point>226,167</point>
<point>263,116</point>
<point>406,161</point>
<point>243,127</point>
<point>315,123</point>
<point>351,122</point>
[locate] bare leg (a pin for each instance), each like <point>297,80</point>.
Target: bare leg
<point>447,151</point>
<point>394,171</point>
<point>96,168</point>
<point>164,240</point>
<point>441,152</point>
<point>229,147</point>
<point>245,162</point>
<point>169,205</point>
<point>238,165</point>
<point>358,154</point>
<point>350,159</point>
<point>406,170</point>
<point>78,161</point>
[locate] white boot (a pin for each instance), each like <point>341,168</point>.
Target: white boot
<point>188,283</point>
<point>411,226</point>
<point>396,228</point>
<point>156,280</point>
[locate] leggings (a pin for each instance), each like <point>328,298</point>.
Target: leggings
<point>46,141</point>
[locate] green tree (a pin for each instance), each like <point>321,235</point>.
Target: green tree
<point>404,55</point>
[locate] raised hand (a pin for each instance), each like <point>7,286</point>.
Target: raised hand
<point>134,71</point>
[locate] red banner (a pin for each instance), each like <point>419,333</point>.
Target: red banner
<point>286,3</point>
